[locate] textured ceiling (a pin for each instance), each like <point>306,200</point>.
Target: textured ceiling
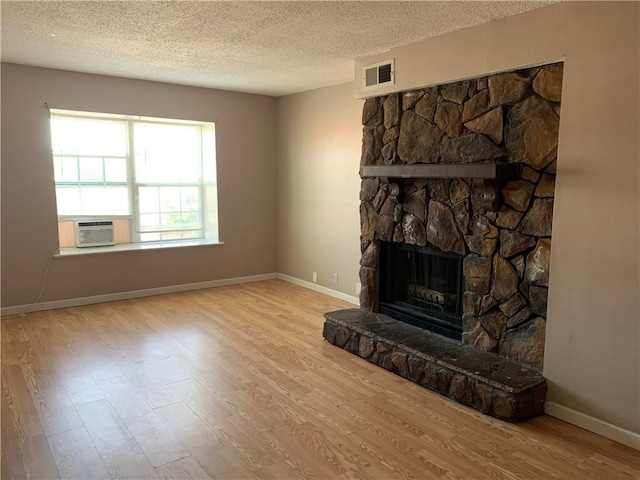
<point>268,47</point>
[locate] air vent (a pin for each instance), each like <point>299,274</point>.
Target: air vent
<point>379,74</point>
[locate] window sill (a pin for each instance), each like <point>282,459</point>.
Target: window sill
<point>128,247</point>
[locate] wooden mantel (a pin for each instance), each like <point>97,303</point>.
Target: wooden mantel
<point>487,171</point>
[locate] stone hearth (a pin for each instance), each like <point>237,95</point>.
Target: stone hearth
<point>495,385</point>
<point>501,227</point>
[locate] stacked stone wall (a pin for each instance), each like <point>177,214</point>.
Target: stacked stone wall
<point>503,228</point>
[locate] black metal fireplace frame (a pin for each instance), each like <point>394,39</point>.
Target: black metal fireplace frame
<point>448,323</point>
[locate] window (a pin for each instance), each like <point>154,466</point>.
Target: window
<point>156,176</point>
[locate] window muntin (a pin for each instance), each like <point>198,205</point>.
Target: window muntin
<point>150,170</point>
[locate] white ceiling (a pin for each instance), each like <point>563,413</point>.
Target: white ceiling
<point>268,47</point>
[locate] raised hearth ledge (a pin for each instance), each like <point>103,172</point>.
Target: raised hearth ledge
<point>442,170</point>
<point>492,384</point>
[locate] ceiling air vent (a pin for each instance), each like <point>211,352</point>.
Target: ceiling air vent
<point>379,74</point>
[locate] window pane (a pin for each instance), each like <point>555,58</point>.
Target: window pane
<point>169,208</point>
<point>170,199</point>
<point>172,236</point>
<point>191,220</point>
<point>171,221</point>
<point>57,168</point>
<point>150,237</point>
<point>149,221</point>
<point>91,170</point>
<point>167,153</point>
<point>65,169</point>
<point>92,200</point>
<point>104,200</point>
<point>118,199</point>
<point>190,198</point>
<point>69,169</point>
<point>88,137</point>
<point>149,199</point>
<point>115,169</point>
<point>68,200</point>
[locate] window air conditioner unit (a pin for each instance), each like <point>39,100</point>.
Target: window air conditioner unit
<point>94,233</point>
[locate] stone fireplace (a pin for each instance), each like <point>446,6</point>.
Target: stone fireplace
<point>456,213</point>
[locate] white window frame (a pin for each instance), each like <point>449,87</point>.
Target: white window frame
<point>207,186</point>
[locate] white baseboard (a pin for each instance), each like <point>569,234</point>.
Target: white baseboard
<point>617,434</point>
<point>319,288</point>
<point>148,292</point>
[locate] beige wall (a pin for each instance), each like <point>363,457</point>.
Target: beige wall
<point>592,360</point>
<point>246,149</point>
<point>319,138</point>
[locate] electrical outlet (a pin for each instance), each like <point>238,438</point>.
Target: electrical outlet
<point>315,277</point>
<point>358,288</point>
<point>335,278</point>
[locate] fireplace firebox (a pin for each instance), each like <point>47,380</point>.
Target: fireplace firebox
<point>422,286</point>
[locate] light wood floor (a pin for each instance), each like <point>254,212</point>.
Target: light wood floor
<point>236,382</point>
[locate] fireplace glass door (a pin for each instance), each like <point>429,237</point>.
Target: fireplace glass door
<point>422,286</point>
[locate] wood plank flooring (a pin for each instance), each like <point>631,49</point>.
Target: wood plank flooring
<point>237,382</point>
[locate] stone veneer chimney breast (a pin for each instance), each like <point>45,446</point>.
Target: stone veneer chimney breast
<point>503,228</point>
<point>500,226</point>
